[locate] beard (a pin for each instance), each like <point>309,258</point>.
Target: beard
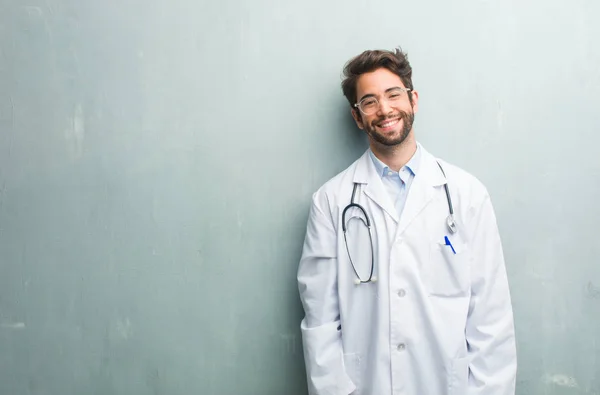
<point>407,119</point>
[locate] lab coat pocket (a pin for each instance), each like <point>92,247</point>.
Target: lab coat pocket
<point>458,380</point>
<point>448,269</point>
<point>352,366</point>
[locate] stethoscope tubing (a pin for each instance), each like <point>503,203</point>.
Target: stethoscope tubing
<point>449,222</point>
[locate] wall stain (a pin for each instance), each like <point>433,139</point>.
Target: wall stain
<point>592,291</point>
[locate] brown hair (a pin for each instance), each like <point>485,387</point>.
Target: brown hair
<point>395,61</point>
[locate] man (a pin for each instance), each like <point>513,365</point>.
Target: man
<point>402,275</point>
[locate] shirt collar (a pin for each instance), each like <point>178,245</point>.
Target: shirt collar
<point>412,165</point>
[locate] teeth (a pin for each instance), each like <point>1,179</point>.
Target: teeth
<point>388,124</point>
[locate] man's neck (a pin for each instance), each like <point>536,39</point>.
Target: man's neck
<point>397,156</point>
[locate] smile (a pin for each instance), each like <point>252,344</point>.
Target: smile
<point>389,123</point>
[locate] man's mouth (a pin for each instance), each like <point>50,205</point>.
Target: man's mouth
<point>389,123</point>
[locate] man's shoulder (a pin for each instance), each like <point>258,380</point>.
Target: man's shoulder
<point>464,181</point>
<point>328,193</point>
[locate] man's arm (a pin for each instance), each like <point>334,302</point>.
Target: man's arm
<point>317,282</point>
<point>490,329</point>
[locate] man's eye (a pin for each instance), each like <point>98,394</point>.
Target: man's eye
<point>368,103</point>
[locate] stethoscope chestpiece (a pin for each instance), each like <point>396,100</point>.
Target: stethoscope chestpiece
<point>451,224</point>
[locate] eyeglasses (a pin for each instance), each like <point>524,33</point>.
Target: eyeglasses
<point>370,105</point>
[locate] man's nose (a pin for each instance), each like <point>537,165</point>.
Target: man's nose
<point>384,107</point>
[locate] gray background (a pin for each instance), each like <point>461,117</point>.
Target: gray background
<point>157,161</point>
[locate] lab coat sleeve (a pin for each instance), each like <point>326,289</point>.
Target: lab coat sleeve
<point>317,282</point>
<point>490,329</point>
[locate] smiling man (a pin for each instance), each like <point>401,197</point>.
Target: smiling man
<point>402,275</point>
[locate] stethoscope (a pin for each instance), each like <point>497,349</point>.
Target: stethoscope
<point>450,223</point>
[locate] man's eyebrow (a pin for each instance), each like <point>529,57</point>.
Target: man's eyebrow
<point>386,91</point>
<point>365,96</point>
<point>393,88</point>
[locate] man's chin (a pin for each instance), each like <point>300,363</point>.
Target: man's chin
<point>389,141</point>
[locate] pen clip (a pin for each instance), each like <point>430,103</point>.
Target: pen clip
<point>449,244</point>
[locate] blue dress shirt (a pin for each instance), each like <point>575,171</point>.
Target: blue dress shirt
<point>398,183</point>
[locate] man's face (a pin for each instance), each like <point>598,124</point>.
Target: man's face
<point>392,121</point>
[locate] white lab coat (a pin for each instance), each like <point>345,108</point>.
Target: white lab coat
<point>434,322</point>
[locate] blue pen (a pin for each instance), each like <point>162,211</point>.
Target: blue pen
<point>449,244</point>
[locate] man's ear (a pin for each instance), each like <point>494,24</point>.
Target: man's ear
<point>415,101</point>
<point>357,118</point>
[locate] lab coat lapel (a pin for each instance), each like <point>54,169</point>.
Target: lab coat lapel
<point>366,173</point>
<point>422,189</point>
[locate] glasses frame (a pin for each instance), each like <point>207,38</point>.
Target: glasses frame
<point>358,105</point>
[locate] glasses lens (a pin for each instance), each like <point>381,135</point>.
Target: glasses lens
<point>369,105</point>
<point>394,95</point>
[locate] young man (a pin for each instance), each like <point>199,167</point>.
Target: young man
<point>402,276</point>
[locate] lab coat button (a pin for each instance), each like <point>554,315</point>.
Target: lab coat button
<point>402,293</point>
<point>401,347</point>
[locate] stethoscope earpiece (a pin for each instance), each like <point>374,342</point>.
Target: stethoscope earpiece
<point>359,282</point>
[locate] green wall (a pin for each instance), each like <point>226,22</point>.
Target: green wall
<point>157,160</point>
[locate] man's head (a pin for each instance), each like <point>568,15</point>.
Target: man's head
<point>379,88</point>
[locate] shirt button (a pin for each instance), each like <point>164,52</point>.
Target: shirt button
<point>390,173</point>
<point>401,347</point>
<point>402,293</point>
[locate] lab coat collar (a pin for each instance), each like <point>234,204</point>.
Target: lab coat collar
<point>419,195</point>
<point>412,165</point>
